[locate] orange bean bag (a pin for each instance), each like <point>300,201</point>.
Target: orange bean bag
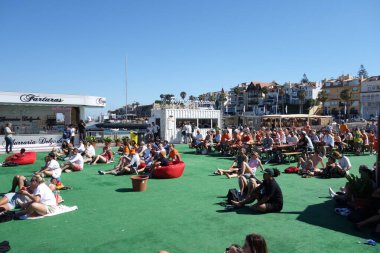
<point>173,170</point>
<point>27,158</point>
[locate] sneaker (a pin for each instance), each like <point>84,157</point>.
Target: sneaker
<point>23,217</point>
<point>101,172</point>
<point>68,171</point>
<point>332,193</point>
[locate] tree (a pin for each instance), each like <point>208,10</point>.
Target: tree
<point>304,79</point>
<point>237,90</point>
<point>362,73</point>
<point>191,98</point>
<point>301,97</point>
<point>323,97</point>
<point>183,95</point>
<point>346,96</point>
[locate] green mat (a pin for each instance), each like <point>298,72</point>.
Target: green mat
<point>181,215</point>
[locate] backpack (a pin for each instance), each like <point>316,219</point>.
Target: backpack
<point>233,194</point>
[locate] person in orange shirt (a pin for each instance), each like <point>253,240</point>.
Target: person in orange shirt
<point>174,154</point>
<point>343,128</point>
<point>371,141</point>
<point>226,138</point>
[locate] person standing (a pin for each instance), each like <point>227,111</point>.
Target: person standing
<point>8,136</point>
<point>82,130</point>
<point>72,134</point>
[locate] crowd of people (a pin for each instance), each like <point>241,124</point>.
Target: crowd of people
<point>36,197</point>
<point>322,154</point>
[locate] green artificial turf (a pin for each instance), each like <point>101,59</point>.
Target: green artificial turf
<point>181,215</point>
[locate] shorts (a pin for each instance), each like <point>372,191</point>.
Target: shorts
<point>247,175</point>
<point>76,167</point>
<point>15,199</point>
<point>56,174</point>
<point>50,209</point>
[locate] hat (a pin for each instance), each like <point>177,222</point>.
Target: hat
<point>132,151</point>
<point>269,171</point>
<point>336,155</point>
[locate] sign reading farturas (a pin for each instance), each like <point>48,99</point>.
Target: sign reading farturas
<point>34,98</point>
<point>34,142</point>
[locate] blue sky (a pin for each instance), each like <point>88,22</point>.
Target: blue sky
<point>79,47</point>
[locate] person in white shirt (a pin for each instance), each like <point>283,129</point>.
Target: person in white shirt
<point>292,139</point>
<point>81,147</point>
<point>343,163</point>
<point>43,199</point>
<point>89,153</point>
<point>51,168</point>
<point>189,132</point>
<point>75,162</point>
<point>327,142</point>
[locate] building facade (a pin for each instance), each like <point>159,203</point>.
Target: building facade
<point>370,97</point>
<point>335,105</point>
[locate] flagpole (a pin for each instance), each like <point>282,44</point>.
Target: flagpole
<point>126,89</point>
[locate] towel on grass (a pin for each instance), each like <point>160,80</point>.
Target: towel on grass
<point>60,210</point>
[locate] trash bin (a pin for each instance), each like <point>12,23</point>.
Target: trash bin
<point>134,136</point>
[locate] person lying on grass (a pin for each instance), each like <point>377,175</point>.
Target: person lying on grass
<point>268,194</point>
<point>11,158</point>
<point>13,200</point>
<point>241,158</point>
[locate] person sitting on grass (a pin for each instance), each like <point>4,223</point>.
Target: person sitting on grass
<point>241,157</point>
<point>268,194</point>
<point>89,153</point>
<point>13,157</point>
<point>248,170</point>
<point>306,167</point>
<point>129,166</point>
<point>75,162</point>
<point>105,157</point>
<point>254,243</point>
<point>51,168</point>
<point>42,199</point>
<point>343,165</point>
<point>174,154</point>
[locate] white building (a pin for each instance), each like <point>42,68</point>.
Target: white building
<point>38,118</point>
<point>171,121</point>
<point>370,97</point>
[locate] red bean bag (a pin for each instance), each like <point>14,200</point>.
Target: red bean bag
<point>27,158</point>
<point>173,170</point>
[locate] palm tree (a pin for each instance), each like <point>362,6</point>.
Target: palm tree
<point>183,95</point>
<point>346,96</point>
<point>191,98</point>
<point>301,96</point>
<point>323,97</point>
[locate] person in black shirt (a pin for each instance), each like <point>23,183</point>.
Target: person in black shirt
<point>82,130</point>
<point>268,194</point>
